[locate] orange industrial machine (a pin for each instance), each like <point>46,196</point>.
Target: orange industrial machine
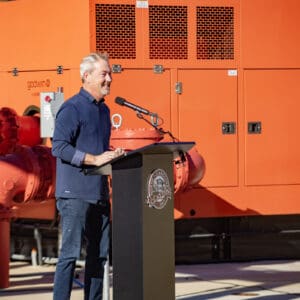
<point>222,73</point>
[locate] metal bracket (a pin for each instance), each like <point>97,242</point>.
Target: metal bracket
<point>116,68</point>
<point>228,127</point>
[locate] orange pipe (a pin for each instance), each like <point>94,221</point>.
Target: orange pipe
<point>188,170</point>
<point>130,139</point>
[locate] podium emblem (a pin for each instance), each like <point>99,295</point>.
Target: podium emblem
<point>159,189</point>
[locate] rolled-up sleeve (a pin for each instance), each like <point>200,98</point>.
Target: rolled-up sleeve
<point>78,158</point>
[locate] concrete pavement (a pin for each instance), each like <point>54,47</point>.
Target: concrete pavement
<point>262,280</point>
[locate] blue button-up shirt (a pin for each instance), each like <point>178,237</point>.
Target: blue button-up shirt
<point>82,126</point>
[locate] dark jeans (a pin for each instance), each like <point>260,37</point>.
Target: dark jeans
<point>78,219</point>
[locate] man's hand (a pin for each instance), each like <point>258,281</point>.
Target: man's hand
<point>98,160</point>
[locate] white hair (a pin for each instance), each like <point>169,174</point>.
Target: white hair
<point>88,63</point>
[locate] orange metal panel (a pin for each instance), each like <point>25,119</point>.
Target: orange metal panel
<point>24,90</point>
<point>166,32</point>
<point>35,210</point>
<point>272,97</point>
<point>43,34</point>
<point>3,88</point>
<point>241,201</point>
<point>117,27</point>
<point>270,33</point>
<point>209,97</point>
<point>179,23</point>
<point>144,88</point>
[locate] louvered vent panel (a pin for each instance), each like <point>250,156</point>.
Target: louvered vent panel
<point>215,32</point>
<point>168,32</point>
<point>115,30</point>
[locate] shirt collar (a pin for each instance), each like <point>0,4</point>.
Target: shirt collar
<point>89,97</point>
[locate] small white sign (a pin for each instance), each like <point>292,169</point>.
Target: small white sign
<point>47,111</point>
<point>232,72</point>
<point>142,4</point>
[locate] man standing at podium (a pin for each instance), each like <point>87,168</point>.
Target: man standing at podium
<point>81,138</point>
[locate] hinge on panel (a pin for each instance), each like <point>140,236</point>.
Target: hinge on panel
<point>178,87</point>
<point>59,70</point>
<point>116,68</point>
<point>15,72</point>
<point>158,69</point>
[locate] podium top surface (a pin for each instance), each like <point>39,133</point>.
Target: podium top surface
<point>164,148</point>
<point>155,148</point>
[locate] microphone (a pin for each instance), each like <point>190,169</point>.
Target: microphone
<point>122,101</point>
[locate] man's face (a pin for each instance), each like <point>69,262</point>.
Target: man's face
<point>97,83</point>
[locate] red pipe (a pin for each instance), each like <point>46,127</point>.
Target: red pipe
<point>4,251</point>
<point>28,174</point>
<point>29,130</point>
<point>17,130</point>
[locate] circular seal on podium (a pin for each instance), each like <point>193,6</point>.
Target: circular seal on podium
<point>158,189</point>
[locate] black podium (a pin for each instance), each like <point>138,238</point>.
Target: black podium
<point>143,222</point>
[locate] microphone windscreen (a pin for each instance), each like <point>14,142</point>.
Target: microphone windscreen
<point>119,100</point>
